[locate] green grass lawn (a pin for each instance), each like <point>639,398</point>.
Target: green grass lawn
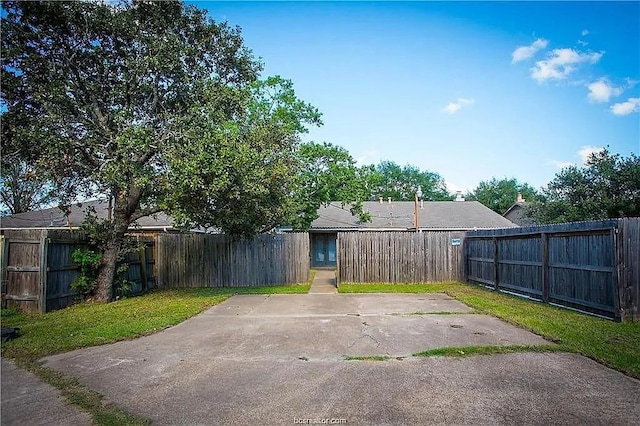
<point>613,344</point>
<point>91,324</point>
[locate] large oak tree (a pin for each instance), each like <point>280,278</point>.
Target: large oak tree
<point>153,105</point>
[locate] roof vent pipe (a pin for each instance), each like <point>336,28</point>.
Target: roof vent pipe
<point>389,200</point>
<point>380,200</point>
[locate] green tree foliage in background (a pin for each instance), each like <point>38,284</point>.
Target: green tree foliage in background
<point>607,186</point>
<point>401,183</point>
<point>328,173</point>
<point>153,105</point>
<point>500,194</point>
<point>21,189</point>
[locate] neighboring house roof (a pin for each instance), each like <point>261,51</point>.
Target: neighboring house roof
<point>55,218</point>
<point>515,214</point>
<point>398,215</point>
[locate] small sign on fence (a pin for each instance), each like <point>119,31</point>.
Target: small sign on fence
<point>455,241</point>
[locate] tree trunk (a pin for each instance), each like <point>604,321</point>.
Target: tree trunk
<point>111,254</point>
<point>107,273</point>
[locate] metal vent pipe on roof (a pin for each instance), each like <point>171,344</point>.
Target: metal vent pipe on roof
<point>389,200</point>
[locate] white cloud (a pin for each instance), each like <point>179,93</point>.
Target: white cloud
<point>583,153</point>
<point>630,83</point>
<point>602,90</point>
<point>369,157</point>
<point>584,32</point>
<point>453,188</point>
<point>454,107</point>
<point>525,52</point>
<point>582,43</point>
<point>559,164</point>
<point>625,108</point>
<point>586,151</point>
<point>562,62</point>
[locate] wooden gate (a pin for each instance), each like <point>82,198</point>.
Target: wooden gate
<point>22,275</point>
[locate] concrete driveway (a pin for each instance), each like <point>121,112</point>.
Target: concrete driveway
<point>280,359</point>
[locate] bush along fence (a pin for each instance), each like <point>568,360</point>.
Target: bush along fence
<point>400,257</point>
<point>37,269</point>
<point>590,266</point>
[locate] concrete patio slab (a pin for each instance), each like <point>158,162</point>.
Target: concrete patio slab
<point>295,305</point>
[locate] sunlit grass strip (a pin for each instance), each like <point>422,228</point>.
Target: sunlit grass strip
<point>368,358</point>
<point>421,313</point>
<point>465,351</point>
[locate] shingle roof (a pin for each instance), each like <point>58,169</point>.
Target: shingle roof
<point>399,215</point>
<point>55,218</point>
<point>515,214</point>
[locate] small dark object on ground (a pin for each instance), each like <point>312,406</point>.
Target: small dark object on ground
<point>10,333</point>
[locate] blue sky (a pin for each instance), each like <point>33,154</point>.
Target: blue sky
<point>471,90</point>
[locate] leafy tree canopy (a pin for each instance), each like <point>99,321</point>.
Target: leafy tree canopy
<point>402,182</point>
<point>500,194</point>
<point>21,190</point>
<point>327,173</point>
<point>607,186</point>
<point>153,105</point>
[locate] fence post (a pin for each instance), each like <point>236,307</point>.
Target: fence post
<point>496,266</point>
<point>4,259</point>
<point>142,257</point>
<point>44,244</point>
<point>545,267</point>
<point>620,297</point>
<point>158,262</point>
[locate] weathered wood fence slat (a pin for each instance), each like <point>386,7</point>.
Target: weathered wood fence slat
<point>400,257</point>
<point>197,260</point>
<point>590,266</point>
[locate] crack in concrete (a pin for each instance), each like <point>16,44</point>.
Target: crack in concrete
<point>364,334</point>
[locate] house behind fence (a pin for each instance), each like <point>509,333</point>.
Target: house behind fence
<point>591,266</point>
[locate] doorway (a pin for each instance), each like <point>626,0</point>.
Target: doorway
<point>323,250</point>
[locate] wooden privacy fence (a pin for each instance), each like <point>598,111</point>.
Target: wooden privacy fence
<point>399,257</point>
<point>37,269</point>
<point>197,260</point>
<point>591,266</point>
